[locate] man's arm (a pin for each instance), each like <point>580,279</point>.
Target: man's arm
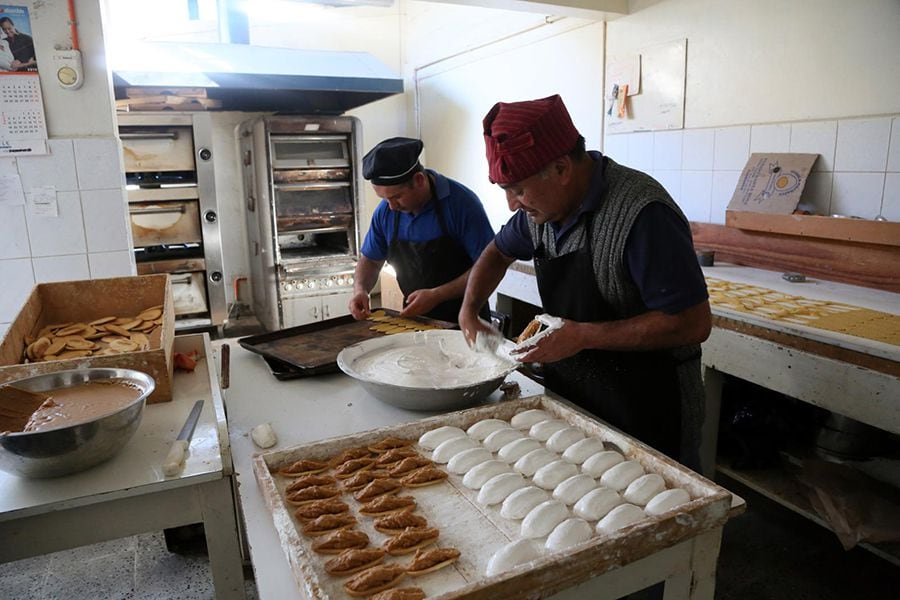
<point>421,301</point>
<point>364,279</point>
<point>484,277</point>
<point>653,330</point>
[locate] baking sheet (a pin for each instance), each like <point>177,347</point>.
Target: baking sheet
<point>479,531</point>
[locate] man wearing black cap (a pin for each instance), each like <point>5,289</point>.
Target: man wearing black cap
<point>430,228</point>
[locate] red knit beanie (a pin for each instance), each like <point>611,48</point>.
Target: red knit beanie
<point>521,138</point>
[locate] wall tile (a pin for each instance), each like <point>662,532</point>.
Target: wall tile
<point>894,151</point>
<point>818,137</point>
<point>640,151</point>
<point>698,147</point>
<point>671,180</point>
<point>890,205</point>
<point>4,327</point>
<point>8,166</point>
<point>857,194</point>
<point>723,184</point>
<point>770,138</point>
<point>61,268</point>
<point>97,162</point>
<point>111,264</point>
<point>18,279</point>
<point>862,144</point>
<point>616,147</point>
<point>13,232</point>
<point>56,169</point>
<point>732,148</point>
<point>667,150</point>
<point>105,220</point>
<point>54,236</point>
<point>696,195</point>
<point>816,196</point>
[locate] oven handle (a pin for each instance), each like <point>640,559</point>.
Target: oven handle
<point>159,135</point>
<point>155,210</point>
<point>299,187</point>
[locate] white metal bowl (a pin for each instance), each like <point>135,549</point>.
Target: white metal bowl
<point>435,370</point>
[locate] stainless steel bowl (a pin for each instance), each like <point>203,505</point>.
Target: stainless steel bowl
<point>432,399</point>
<point>73,448</point>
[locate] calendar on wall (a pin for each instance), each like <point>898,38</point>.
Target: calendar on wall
<point>23,130</point>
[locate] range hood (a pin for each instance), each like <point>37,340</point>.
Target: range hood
<point>257,78</point>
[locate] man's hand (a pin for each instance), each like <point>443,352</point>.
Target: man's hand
<point>359,306</point>
<point>420,302</point>
<point>471,324</point>
<point>564,342</point>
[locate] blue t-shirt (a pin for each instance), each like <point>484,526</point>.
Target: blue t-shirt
<point>659,251</point>
<point>463,213</point>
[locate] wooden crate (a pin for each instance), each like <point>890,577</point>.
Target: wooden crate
<point>478,531</point>
<point>85,301</point>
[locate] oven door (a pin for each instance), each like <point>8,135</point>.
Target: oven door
<point>160,223</point>
<point>309,151</point>
<point>313,205</point>
<point>152,149</point>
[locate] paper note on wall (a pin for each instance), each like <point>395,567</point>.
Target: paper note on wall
<point>42,201</point>
<point>772,182</point>
<point>11,193</point>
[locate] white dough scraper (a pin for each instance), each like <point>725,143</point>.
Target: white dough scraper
<point>178,452</point>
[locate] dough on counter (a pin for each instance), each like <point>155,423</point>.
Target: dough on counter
<point>572,489</point>
<point>543,518</point>
<point>481,473</point>
<point>501,437</point>
<point>534,460</point>
<point>518,504</point>
<point>512,555</point>
<point>482,429</point>
<point>645,487</point>
<point>499,487</point>
<point>544,429</point>
<point>450,448</point>
<point>562,439</point>
<point>516,449</point>
<point>619,517</point>
<point>666,501</point>
<point>582,450</point>
<point>467,459</point>
<point>432,439</point>
<point>552,474</point>
<point>525,419</point>
<point>619,476</point>
<point>570,532</point>
<point>594,505</point>
<point>600,463</point>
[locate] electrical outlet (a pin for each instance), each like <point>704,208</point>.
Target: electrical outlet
<point>69,73</point>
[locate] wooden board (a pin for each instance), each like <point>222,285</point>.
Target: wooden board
<point>478,531</point>
<point>832,228</point>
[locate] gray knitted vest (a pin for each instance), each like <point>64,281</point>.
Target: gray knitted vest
<point>628,191</point>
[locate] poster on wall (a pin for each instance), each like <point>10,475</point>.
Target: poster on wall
<point>23,129</point>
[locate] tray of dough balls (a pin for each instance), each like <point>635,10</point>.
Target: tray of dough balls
<point>500,499</point>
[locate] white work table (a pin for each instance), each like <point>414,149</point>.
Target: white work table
<point>326,406</point>
<point>129,494</point>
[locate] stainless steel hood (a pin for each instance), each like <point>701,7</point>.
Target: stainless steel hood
<point>257,78</point>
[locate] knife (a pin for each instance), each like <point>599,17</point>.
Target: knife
<point>175,458</point>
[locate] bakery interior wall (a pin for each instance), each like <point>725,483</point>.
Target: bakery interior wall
<point>810,75</point>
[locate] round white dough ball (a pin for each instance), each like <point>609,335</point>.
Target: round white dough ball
<point>450,448</point>
<point>499,487</point>
<point>481,473</point>
<point>619,476</point>
<point>572,489</point>
<point>562,439</point>
<point>516,449</point>
<point>432,439</point>
<point>525,419</point>
<point>642,489</point>
<point>582,450</point>
<point>594,505</point>
<point>520,502</point>
<point>570,532</point>
<point>599,463</point>
<point>534,460</point>
<point>666,501</point>
<point>501,437</point>
<point>552,474</point>
<point>543,430</point>
<point>512,555</point>
<point>619,517</point>
<point>543,518</point>
<point>482,429</point>
<point>465,460</point>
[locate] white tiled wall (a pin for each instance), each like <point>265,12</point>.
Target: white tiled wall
<point>857,172</point>
<point>88,239</point>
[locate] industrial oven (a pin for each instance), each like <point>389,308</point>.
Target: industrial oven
<point>302,194</point>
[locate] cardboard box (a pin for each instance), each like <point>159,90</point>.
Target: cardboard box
<point>772,182</point>
<point>86,301</point>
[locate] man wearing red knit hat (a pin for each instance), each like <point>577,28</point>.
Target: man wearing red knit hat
<point>614,258</point>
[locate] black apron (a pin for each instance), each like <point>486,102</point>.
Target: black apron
<point>637,392</point>
<point>424,265</point>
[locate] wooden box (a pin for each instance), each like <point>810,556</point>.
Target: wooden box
<point>86,301</point>
<point>478,531</point>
